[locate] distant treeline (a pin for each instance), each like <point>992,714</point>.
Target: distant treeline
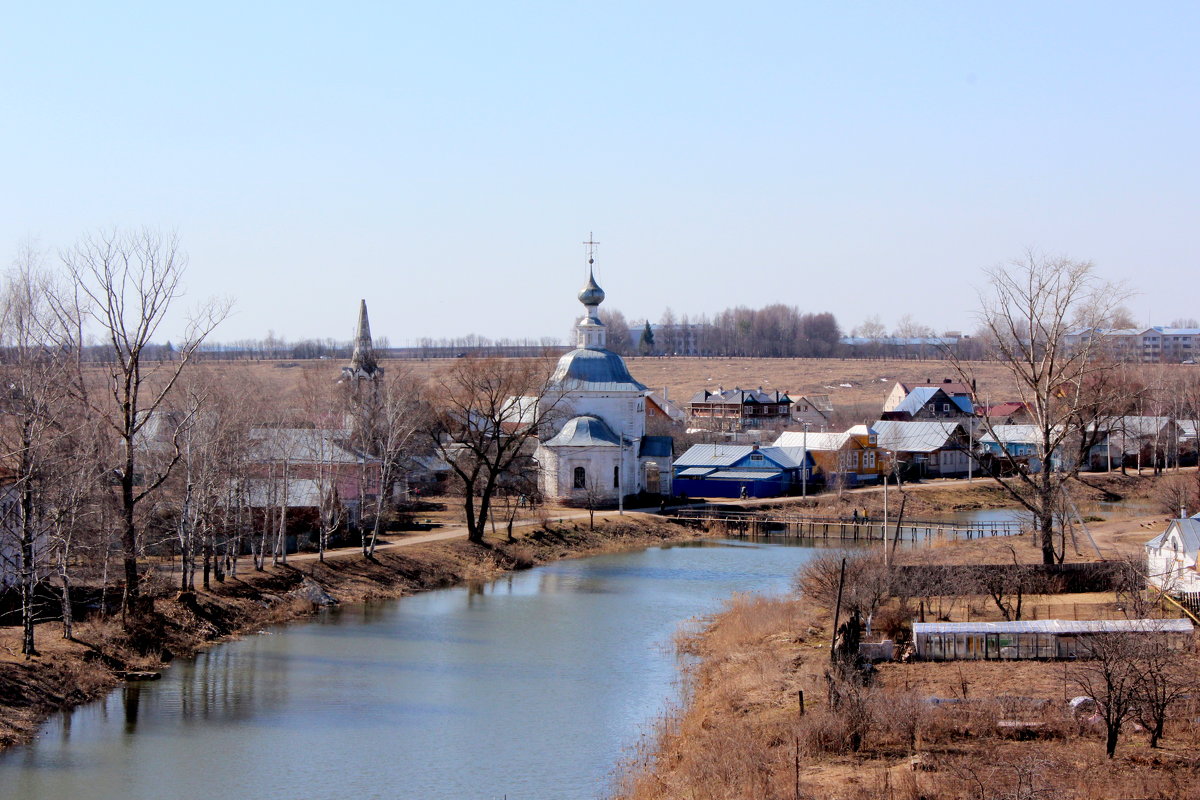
<point>274,349</point>
<point>775,331</point>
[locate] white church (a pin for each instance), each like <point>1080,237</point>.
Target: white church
<point>601,452</point>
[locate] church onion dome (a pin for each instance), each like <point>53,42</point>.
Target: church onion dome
<point>596,370</point>
<point>585,431</point>
<point>592,294</point>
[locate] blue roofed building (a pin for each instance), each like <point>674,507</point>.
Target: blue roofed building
<point>727,470</point>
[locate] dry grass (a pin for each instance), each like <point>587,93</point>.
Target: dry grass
<point>867,382</point>
<point>850,383</point>
<point>741,734</point>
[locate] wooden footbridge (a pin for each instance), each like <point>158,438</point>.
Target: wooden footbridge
<point>731,522</point>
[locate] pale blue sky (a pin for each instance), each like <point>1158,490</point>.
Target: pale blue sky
<point>445,160</point>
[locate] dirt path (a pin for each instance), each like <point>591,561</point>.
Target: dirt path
<point>444,534</point>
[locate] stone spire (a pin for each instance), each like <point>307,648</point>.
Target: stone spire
<point>362,363</point>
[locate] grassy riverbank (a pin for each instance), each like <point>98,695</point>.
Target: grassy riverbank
<point>999,730</point>
<point>68,673</point>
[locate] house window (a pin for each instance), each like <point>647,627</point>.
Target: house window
<point>580,478</point>
<point>869,459</point>
<point>854,459</point>
<point>756,457</point>
<point>616,477</point>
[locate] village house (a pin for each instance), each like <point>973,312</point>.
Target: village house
<point>1010,412</point>
<point>1005,446</point>
<point>739,409</point>
<point>1142,442</point>
<point>926,448</point>
<point>852,456</point>
<point>730,470</point>
<point>901,390</point>
<point>661,409</point>
<point>1171,557</point>
<point>298,468</point>
<point>932,402</point>
<point>10,534</point>
<point>814,410</point>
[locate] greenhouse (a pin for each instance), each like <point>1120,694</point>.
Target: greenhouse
<point>1031,639</point>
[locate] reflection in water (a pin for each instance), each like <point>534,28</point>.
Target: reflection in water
<point>531,686</point>
<point>132,697</point>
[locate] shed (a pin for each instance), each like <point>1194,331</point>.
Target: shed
<point>1030,639</point>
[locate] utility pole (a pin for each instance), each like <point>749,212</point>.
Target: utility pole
<point>885,510</point>
<point>804,466</point>
<point>620,475</point>
<point>970,450</point>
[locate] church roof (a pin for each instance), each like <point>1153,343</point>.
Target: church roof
<point>585,431</point>
<point>595,370</point>
<point>362,362</point>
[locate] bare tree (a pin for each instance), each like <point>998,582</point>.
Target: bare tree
<point>76,507</point>
<point>1110,676</point>
<point>1028,310</point>
<point>484,415</point>
<point>34,416</point>
<point>124,284</point>
<point>868,581</point>
<point>1167,676</point>
<point>387,419</point>
<point>209,424</point>
<point>617,326</point>
<point>909,328</point>
<point>1119,317</point>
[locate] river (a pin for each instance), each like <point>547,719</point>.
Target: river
<point>533,686</point>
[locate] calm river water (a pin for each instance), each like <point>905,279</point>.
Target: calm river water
<point>531,687</point>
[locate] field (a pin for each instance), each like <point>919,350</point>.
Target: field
<point>857,387</point>
<point>850,383</point>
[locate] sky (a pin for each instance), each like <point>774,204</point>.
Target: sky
<point>445,161</point>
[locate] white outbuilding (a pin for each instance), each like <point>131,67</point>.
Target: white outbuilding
<point>1171,556</point>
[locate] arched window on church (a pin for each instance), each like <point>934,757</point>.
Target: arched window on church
<point>580,478</point>
<point>616,477</point>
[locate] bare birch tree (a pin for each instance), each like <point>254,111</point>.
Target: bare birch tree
<point>387,421</point>
<point>33,417</point>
